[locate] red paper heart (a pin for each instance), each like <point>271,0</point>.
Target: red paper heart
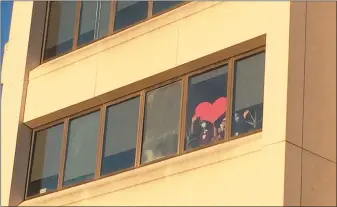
<point>211,112</point>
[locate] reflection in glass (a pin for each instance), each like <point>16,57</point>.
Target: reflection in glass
<point>206,108</point>
<point>161,6</point>
<point>120,136</point>
<point>248,94</point>
<point>60,29</point>
<point>45,160</point>
<point>161,122</point>
<point>94,21</point>
<point>104,19</point>
<point>81,148</point>
<point>129,13</point>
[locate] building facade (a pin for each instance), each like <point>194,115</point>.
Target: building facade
<point>169,103</point>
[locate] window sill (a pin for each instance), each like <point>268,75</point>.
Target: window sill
<point>120,37</point>
<point>148,173</point>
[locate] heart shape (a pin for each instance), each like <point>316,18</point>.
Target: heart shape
<point>211,112</point>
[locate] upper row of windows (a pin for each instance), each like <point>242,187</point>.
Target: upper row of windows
<point>73,24</point>
<point>155,123</point>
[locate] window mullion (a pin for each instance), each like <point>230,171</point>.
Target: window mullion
<point>45,31</point>
<point>140,129</point>
<point>63,153</point>
<point>77,24</point>
<point>150,9</point>
<point>183,105</point>
<point>230,87</point>
<point>100,142</point>
<point>29,171</point>
<point>113,8</point>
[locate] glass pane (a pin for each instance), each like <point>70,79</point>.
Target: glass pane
<point>86,32</point>
<point>94,22</point>
<point>60,29</point>
<point>206,108</point>
<point>160,6</point>
<point>120,136</point>
<point>161,122</point>
<point>81,149</point>
<point>104,19</point>
<point>45,160</point>
<point>129,13</point>
<point>248,94</point>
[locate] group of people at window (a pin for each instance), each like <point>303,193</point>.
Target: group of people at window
<point>207,104</point>
<point>204,132</point>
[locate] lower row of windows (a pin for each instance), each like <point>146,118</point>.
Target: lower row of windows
<point>153,124</point>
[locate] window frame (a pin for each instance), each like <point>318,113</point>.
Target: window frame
<point>111,30</point>
<point>234,59</point>
<point>141,93</point>
<point>102,130</point>
<point>65,142</point>
<point>31,152</point>
<point>139,147</point>
<point>184,106</point>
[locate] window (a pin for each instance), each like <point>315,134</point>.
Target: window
<point>60,32</point>
<point>45,162</point>
<point>160,6</point>
<point>161,122</point>
<point>248,94</point>
<point>121,127</point>
<point>129,13</point>
<point>192,110</point>
<point>206,108</point>
<point>94,21</point>
<point>81,149</point>
<point>73,24</point>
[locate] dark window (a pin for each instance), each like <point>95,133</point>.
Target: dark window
<point>60,29</point>
<point>103,19</point>
<point>161,122</point>
<point>129,13</point>
<point>120,136</point>
<point>160,6</point>
<point>94,21</point>
<point>81,149</point>
<point>45,160</point>
<point>248,94</point>
<point>87,22</point>
<point>206,108</point>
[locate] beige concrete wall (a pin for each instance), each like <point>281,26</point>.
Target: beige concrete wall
<point>319,115</point>
<point>320,81</point>
<point>13,79</point>
<point>311,115</point>
<point>249,171</point>
<point>255,172</point>
<point>318,181</point>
